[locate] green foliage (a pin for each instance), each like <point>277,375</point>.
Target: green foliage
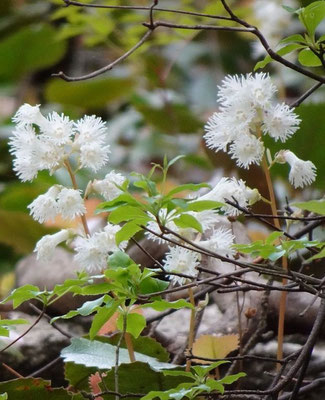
<point>90,94</point>
<point>310,52</point>
<point>271,249</point>
<point>102,355</point>
<point>23,58</point>
<point>201,383</point>
<point>6,323</point>
<point>35,388</point>
<point>316,206</point>
<point>24,293</point>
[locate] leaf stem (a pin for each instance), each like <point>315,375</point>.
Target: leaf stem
<point>192,327</point>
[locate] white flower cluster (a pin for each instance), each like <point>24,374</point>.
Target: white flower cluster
<point>44,143</point>
<point>273,20</point>
<point>184,261</point>
<point>57,200</point>
<point>246,111</point>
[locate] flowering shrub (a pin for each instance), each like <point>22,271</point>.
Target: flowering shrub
<point>191,220</point>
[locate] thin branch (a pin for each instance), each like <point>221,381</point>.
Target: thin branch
<point>141,8</point>
<point>305,95</point>
<point>37,320</point>
<point>108,67</point>
<point>197,27</point>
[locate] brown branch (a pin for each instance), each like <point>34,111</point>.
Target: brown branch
<point>108,67</point>
<point>141,8</point>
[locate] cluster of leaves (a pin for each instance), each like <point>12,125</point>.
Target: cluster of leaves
<point>310,49</point>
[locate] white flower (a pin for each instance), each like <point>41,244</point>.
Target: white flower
<point>22,145</point>
<point>181,261</point>
<point>92,252</point>
<point>260,89</point>
<point>70,203</point>
<point>46,246</point>
<point>247,150</point>
<point>280,122</point>
<point>58,129</point>
<point>207,218</point>
<point>90,129</point>
<point>302,173</point>
<point>166,219</point>
<point>44,207</point>
<point>50,155</point>
<point>218,135</point>
<point>94,155</point>
<point>220,242</point>
<point>232,89</point>
<point>107,186</point>
<point>27,115</point>
<point>233,190</point>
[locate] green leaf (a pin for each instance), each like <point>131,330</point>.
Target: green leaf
<point>21,294</point>
<point>102,355</point>
<point>21,58</point>
<point>308,59</point>
<point>171,118</point>
<point>34,389</point>
<point>102,316</point>
<point>179,373</point>
<point>162,305</point>
<point>135,323</point>
<point>297,38</point>
<point>203,371</point>
<point>228,380</point>
<point>152,285</point>
<point>215,385</point>
<point>127,231</point>
<point>119,259</point>
<point>126,213</point>
<point>5,323</point>
<point>316,206</point>
<point>142,344</point>
<point>188,221</point>
<point>95,93</point>
<point>282,52</point>
<point>3,396</point>
<point>202,205</point>
<point>174,160</point>
<point>312,15</point>
<point>193,187</point>
<point>121,200</point>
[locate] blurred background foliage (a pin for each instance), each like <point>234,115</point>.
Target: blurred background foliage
<point>156,102</point>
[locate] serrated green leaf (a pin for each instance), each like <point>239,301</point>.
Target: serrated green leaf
<point>308,59</point>
<point>188,221</point>
<point>316,206</point>
<point>34,389</point>
<point>127,231</point>
<point>135,323</point>
<point>102,355</point>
